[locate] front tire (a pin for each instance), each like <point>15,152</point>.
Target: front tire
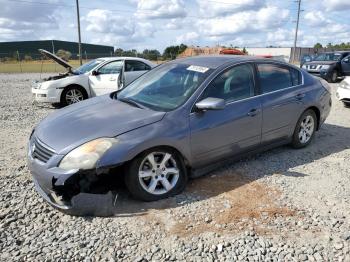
<point>305,129</point>
<point>156,174</point>
<point>72,95</point>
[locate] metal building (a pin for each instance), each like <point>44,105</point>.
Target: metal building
<point>30,48</point>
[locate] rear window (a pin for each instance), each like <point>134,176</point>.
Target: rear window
<point>296,76</point>
<point>275,77</point>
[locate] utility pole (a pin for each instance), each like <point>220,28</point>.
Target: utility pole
<point>78,18</point>
<point>296,31</point>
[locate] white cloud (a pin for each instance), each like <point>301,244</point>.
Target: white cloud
<point>268,18</point>
<point>160,9</point>
<point>315,18</point>
<point>27,21</point>
<point>217,8</point>
<point>336,5</point>
<point>187,38</point>
<point>109,28</point>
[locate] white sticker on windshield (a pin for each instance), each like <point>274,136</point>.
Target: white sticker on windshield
<point>200,69</point>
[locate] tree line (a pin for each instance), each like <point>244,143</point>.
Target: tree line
<point>170,52</point>
<point>335,46</point>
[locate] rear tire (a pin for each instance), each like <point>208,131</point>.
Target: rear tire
<point>156,174</point>
<point>72,95</point>
<point>305,129</point>
<point>334,77</point>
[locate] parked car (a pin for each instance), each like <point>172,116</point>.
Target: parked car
<point>172,123</point>
<point>306,58</point>
<point>330,65</point>
<point>97,77</point>
<point>343,91</point>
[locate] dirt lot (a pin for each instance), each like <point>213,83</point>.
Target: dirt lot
<point>282,205</point>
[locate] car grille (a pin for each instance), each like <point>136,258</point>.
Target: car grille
<point>41,151</point>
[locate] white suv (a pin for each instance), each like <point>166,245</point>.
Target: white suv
<point>97,77</point>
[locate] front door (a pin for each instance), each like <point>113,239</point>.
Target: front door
<point>105,78</point>
<point>234,129</point>
<point>345,64</point>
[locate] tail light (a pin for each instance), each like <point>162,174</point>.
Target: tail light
<point>325,85</point>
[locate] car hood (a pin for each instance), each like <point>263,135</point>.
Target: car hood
<point>94,118</point>
<point>55,58</point>
<point>320,63</point>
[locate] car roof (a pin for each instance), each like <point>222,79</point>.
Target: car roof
<point>215,61</point>
<point>123,58</point>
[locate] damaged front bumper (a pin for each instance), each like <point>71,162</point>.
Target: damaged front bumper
<point>64,189</point>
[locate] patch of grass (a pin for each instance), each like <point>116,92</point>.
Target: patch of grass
<point>34,66</point>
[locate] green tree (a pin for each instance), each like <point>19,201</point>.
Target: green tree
<point>151,54</point>
<point>245,50</point>
<point>119,52</point>
<point>171,52</point>
<point>317,45</point>
<point>65,55</point>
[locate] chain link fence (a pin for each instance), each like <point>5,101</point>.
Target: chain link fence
<point>18,62</point>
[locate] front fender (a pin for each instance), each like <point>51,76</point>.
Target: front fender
<point>161,133</point>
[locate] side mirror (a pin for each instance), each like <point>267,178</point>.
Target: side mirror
<point>95,73</point>
<point>211,103</point>
<point>346,60</point>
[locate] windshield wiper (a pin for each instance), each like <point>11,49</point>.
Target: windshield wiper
<point>131,102</point>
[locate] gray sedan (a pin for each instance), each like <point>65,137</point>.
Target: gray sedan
<point>173,123</point>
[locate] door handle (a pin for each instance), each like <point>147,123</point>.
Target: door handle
<point>112,79</point>
<point>300,96</point>
<point>253,112</point>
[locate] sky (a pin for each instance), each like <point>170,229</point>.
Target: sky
<point>156,24</point>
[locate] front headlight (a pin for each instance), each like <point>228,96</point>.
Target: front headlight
<point>344,85</point>
<point>325,67</point>
<point>304,66</point>
<point>86,156</point>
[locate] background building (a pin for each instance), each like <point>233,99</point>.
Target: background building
<point>30,49</point>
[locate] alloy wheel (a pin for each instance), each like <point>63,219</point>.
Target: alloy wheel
<point>158,173</point>
<point>307,127</point>
<point>74,96</point>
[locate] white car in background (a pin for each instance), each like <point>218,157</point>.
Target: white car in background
<point>343,91</point>
<point>97,77</point>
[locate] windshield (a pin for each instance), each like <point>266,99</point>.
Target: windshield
<point>88,66</point>
<point>165,87</point>
<point>328,57</point>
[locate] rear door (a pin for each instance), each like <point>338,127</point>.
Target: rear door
<point>133,69</point>
<point>234,129</point>
<point>345,64</point>
<point>106,79</point>
<point>282,97</point>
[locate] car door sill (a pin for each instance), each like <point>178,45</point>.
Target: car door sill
<point>203,170</point>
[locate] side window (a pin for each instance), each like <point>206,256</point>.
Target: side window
<point>273,77</point>
<point>296,77</point>
<point>133,65</point>
<point>111,68</point>
<point>234,84</point>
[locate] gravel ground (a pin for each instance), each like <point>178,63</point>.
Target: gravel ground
<point>282,205</point>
